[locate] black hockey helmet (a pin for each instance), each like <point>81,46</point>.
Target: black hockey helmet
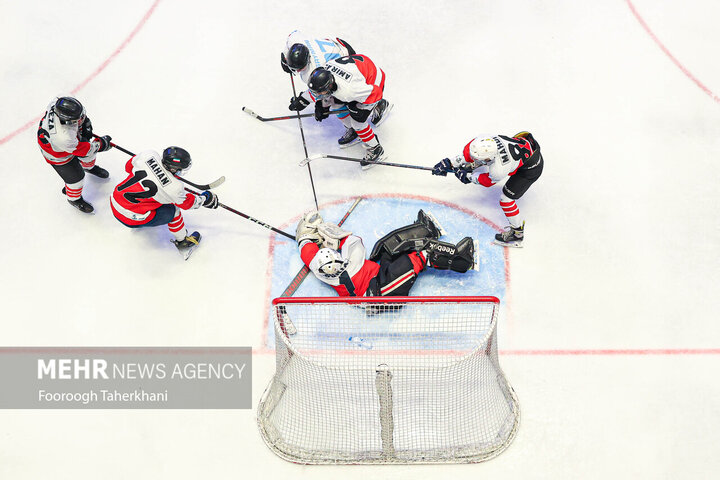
<point>69,109</point>
<point>176,160</point>
<point>298,56</point>
<point>321,82</point>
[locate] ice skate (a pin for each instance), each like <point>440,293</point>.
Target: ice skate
<point>80,203</point>
<point>380,112</point>
<point>98,172</point>
<point>349,138</point>
<point>372,156</point>
<point>188,245</point>
<point>511,237</point>
<point>429,220</point>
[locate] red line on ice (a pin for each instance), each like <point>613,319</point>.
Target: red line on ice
<point>94,74</point>
<point>670,55</point>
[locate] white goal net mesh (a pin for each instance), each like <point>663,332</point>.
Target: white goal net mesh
<point>387,380</point>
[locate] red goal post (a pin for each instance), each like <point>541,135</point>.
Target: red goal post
<point>387,380</point>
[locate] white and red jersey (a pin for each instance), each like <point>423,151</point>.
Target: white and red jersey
<point>322,50</point>
<point>59,142</point>
<point>148,186</point>
<point>357,79</point>
<point>354,281</point>
<point>512,153</point>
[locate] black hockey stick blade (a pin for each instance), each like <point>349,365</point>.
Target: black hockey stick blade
<point>206,186</point>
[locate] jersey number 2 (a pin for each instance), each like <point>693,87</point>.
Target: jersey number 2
<point>134,197</point>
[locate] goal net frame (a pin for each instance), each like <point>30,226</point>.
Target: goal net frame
<point>377,380</point>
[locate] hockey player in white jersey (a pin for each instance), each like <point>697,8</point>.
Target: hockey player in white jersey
<point>304,54</point>
<point>151,195</point>
<point>337,257</point>
<point>487,160</point>
<point>66,140</point>
<point>356,82</point>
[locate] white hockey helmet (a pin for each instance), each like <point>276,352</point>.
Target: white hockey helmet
<point>482,151</point>
<point>330,263</point>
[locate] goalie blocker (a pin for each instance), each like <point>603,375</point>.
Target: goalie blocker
<point>337,257</point>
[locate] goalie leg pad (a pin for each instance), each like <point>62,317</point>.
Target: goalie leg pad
<point>446,256</point>
<point>402,240</point>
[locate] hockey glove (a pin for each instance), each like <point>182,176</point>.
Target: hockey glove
<point>211,200</point>
<point>283,63</point>
<point>463,175</point>
<point>86,133</point>
<point>298,103</point>
<point>321,112</point>
<point>104,142</point>
<point>443,167</point>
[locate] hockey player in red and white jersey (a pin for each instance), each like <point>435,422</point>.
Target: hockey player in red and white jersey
<point>302,56</point>
<point>66,141</point>
<point>151,195</point>
<point>337,257</point>
<point>489,159</point>
<point>356,82</point>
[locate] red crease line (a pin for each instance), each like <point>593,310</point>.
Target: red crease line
<point>670,55</point>
<point>94,74</point>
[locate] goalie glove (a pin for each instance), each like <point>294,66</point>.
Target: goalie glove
<point>331,235</point>
<point>307,229</point>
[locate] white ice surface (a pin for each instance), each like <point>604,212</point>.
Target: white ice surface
<point>621,249</point>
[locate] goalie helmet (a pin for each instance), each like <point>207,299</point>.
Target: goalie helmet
<point>176,160</point>
<point>69,109</point>
<point>321,82</point>
<point>482,151</point>
<point>330,263</point>
<point>298,56</point>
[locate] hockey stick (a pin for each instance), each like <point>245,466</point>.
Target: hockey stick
<point>230,209</point>
<point>300,276</point>
<point>302,134</point>
<point>307,160</point>
<point>287,117</point>
<point>206,186</point>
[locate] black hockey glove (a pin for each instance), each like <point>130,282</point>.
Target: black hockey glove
<point>463,175</point>
<point>321,112</point>
<point>86,133</point>
<point>298,103</point>
<point>211,200</point>
<point>283,63</point>
<point>105,144</point>
<point>443,167</point>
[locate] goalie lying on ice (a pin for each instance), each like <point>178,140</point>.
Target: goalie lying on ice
<point>337,257</point>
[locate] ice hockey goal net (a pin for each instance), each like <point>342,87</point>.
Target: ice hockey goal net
<point>387,380</point>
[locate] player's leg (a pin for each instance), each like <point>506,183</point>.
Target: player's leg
<point>176,225</point>
<point>515,188</point>
<point>396,277</point>
<point>88,164</point>
<point>73,175</point>
<point>359,120</point>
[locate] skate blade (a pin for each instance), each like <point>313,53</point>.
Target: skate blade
<point>186,252</point>
<point>385,114</point>
<point>439,226</point>
<point>508,244</point>
<point>354,142</point>
<point>476,256</point>
<point>373,163</point>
